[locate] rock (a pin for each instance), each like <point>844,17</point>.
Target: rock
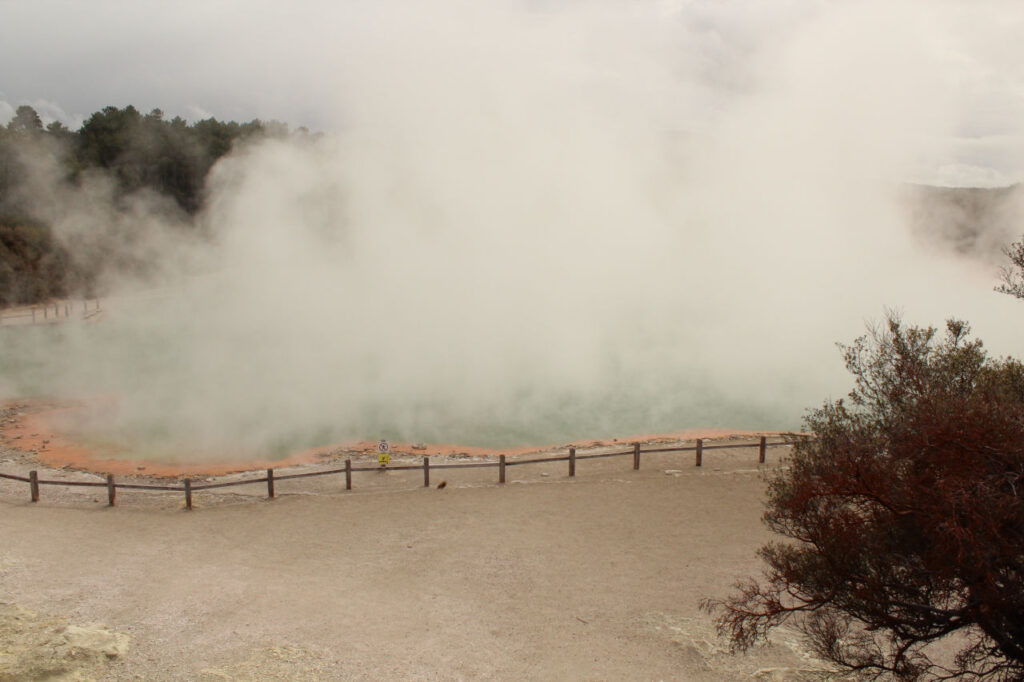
<point>419,446</point>
<point>669,472</point>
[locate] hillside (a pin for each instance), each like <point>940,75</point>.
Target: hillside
<point>116,160</point>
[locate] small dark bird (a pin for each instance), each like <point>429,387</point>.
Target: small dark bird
<point>442,484</point>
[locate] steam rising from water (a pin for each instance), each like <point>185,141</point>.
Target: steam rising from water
<point>544,224</point>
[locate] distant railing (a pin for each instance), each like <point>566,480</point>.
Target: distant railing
<point>48,312</point>
<point>188,487</point>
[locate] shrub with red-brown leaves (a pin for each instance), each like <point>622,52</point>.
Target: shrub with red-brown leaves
<point>903,516</point>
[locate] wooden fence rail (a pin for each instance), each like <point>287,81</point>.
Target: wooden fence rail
<point>271,477</point>
<point>46,312</point>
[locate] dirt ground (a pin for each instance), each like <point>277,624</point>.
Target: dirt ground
<point>546,577</point>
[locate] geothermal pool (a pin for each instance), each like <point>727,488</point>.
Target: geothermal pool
<point>137,394</point>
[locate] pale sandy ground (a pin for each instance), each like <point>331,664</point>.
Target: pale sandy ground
<point>545,577</point>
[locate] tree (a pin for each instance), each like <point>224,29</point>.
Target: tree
<point>32,266</point>
<point>149,152</point>
<point>904,516</point>
<point>58,129</point>
<point>106,136</point>
<point>1013,277</point>
<point>25,118</point>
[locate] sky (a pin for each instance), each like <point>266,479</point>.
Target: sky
<point>300,62</point>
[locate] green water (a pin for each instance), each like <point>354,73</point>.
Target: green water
<point>158,417</point>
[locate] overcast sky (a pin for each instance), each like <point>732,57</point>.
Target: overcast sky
<point>304,62</point>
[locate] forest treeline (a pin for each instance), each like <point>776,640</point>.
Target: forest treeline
<point>135,151</point>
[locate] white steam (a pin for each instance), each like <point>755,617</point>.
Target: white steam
<point>549,222</point>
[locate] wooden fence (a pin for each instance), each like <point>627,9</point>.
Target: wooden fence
<point>188,487</point>
<point>48,312</point>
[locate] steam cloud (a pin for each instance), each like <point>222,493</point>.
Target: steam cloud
<point>544,221</point>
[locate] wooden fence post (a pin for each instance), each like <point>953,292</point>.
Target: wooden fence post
<point>572,461</point>
<point>348,474</point>
<point>760,455</point>
<point>426,471</point>
<point>501,468</point>
<point>33,484</point>
<point>270,483</point>
<point>700,451</point>
<point>188,493</point>
<point>636,456</point>
<point>111,491</point>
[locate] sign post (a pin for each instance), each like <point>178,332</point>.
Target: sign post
<point>383,453</point>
